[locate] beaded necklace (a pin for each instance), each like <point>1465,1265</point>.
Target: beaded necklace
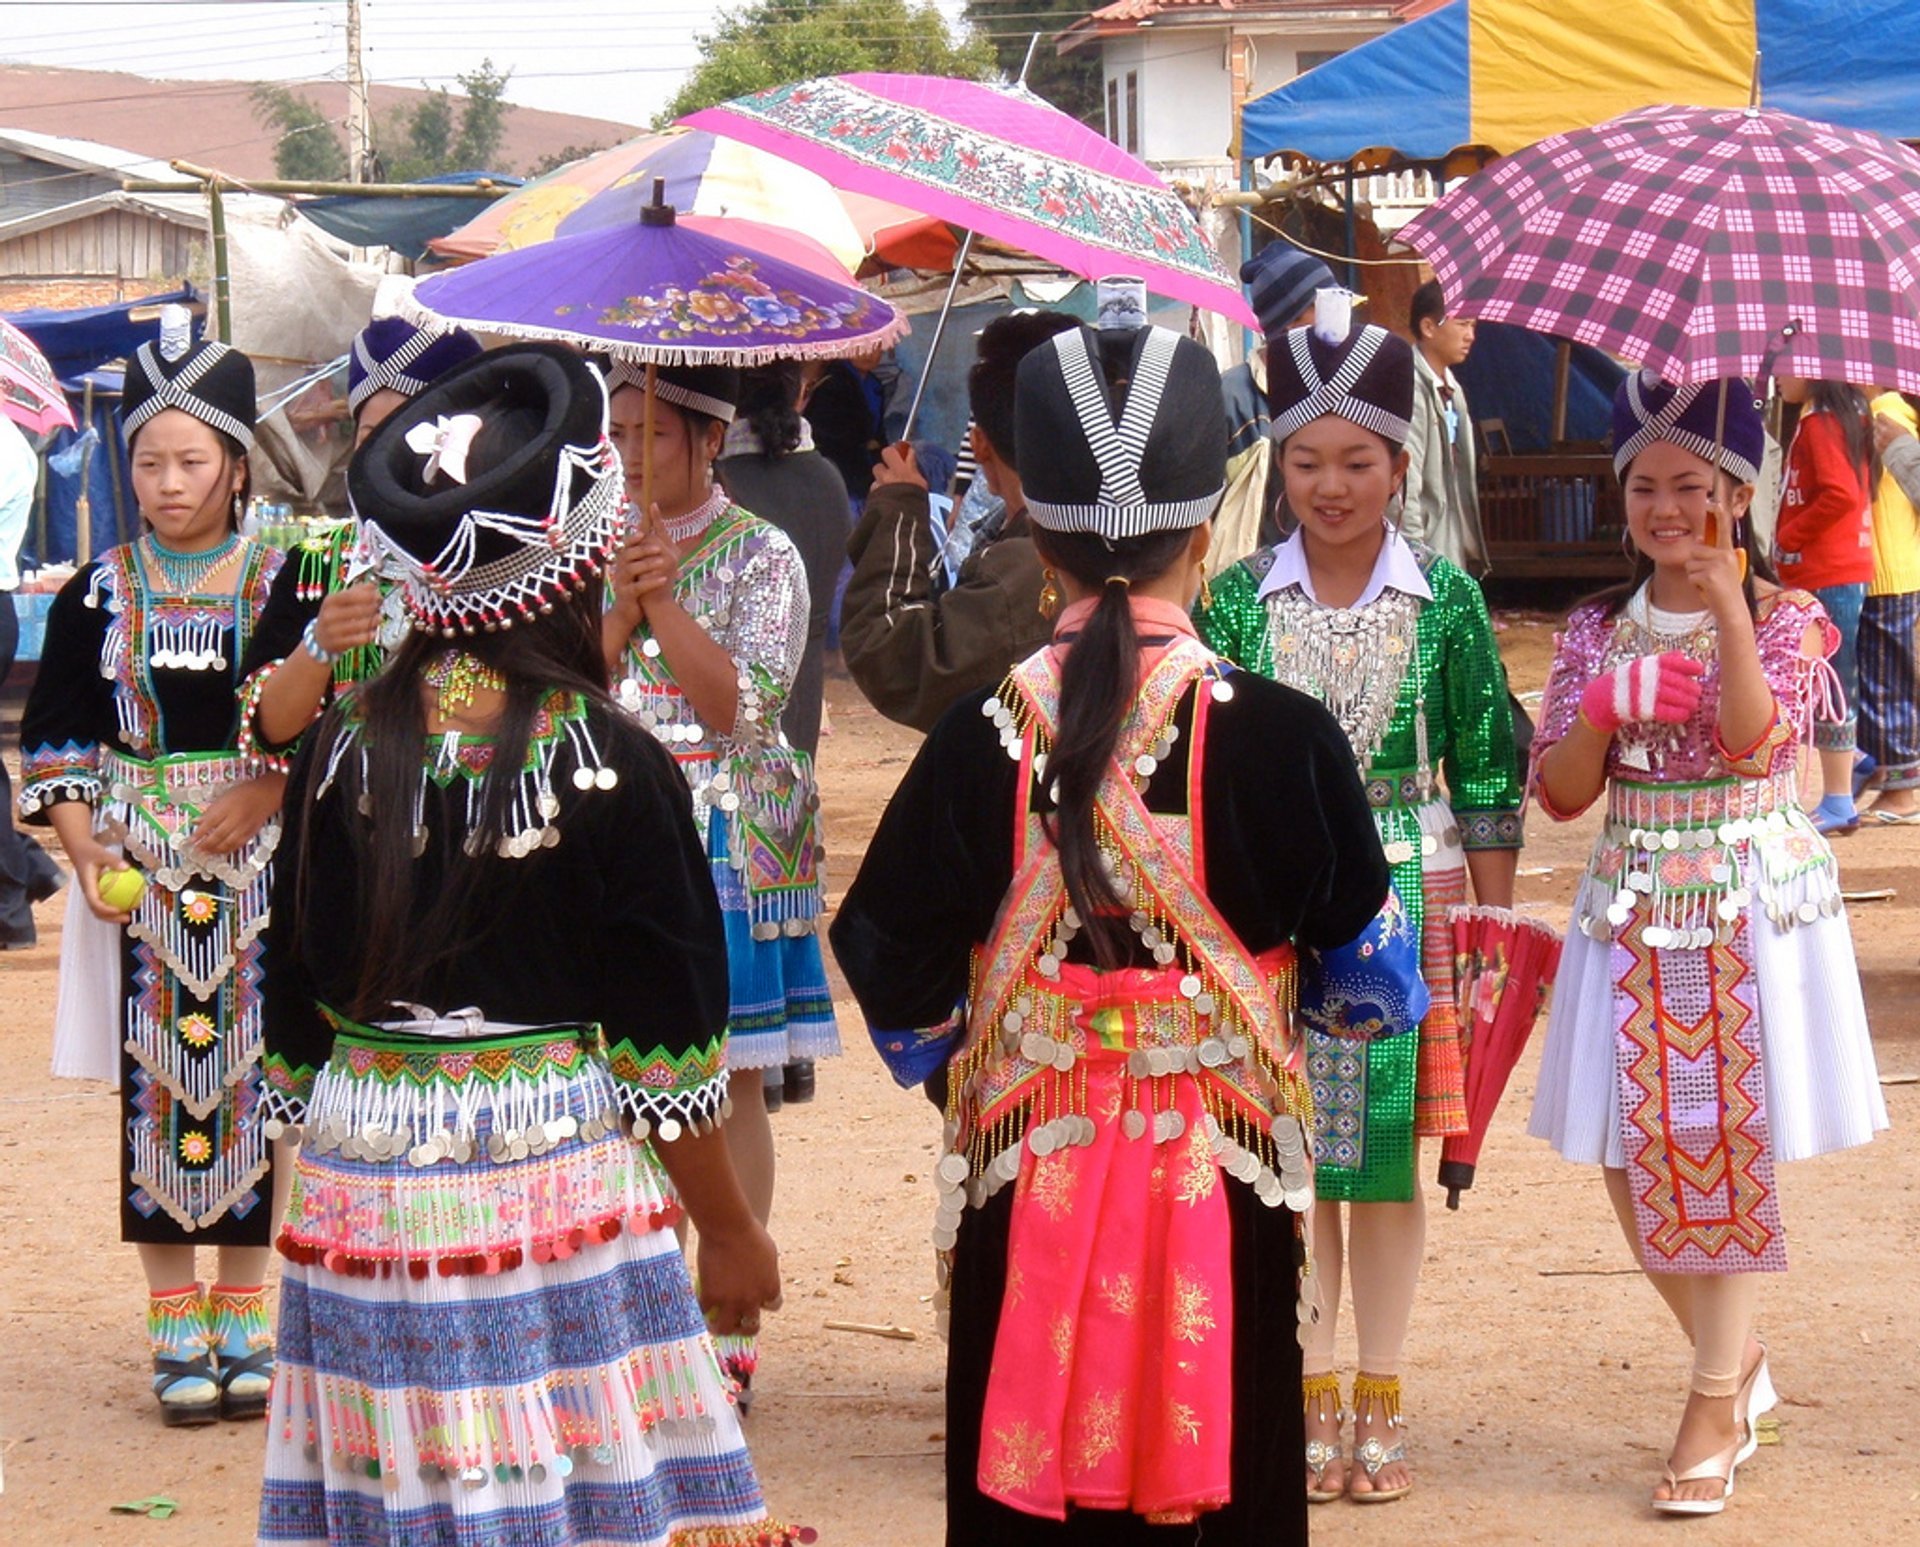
<point>185,573</point>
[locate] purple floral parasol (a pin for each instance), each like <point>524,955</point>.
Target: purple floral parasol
<point>663,293</point>
<point>1704,243</point>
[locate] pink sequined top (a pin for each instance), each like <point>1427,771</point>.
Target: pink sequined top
<point>1596,642</point>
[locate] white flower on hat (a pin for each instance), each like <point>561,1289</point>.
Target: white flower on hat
<point>445,444</point>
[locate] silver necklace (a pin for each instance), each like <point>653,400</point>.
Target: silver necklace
<point>1353,659</point>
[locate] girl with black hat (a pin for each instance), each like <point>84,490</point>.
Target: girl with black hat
<point>329,619</point>
<point>1077,923</point>
<point>1707,1019</point>
<point>127,747</point>
<point>500,1021</point>
<point>1396,641</point>
<point>705,631</point>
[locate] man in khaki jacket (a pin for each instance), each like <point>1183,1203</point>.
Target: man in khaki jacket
<point>912,649</point>
<point>1442,503</point>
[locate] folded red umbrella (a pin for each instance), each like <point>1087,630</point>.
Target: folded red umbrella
<point>1503,964</point>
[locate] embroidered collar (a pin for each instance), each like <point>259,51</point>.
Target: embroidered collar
<point>1395,568</point>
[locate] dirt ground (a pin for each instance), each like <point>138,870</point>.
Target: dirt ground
<point>1543,1379</point>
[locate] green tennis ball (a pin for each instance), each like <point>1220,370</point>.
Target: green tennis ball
<point>121,890</point>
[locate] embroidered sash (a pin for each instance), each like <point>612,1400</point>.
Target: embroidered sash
<point>1112,1381</point>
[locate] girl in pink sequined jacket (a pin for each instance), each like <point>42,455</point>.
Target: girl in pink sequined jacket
<point>1707,1018</point>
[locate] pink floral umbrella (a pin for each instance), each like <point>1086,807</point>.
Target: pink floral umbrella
<point>30,394</point>
<point>997,161</point>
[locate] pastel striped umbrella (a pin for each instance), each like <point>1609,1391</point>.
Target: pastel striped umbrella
<point>705,174</point>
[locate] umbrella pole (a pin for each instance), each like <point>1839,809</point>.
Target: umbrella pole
<point>939,331</point>
<point>646,450</point>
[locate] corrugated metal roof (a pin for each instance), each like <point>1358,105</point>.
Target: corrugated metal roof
<point>88,154</point>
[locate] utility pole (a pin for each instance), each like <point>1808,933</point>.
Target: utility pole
<point>359,124</point>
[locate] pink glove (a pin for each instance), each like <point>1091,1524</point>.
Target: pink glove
<point>1655,687</point>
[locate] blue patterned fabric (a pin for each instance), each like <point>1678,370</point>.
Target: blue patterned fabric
<point>1370,988</point>
<point>780,1006</point>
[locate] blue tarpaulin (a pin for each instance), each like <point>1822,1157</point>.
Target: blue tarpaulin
<point>1509,377</point>
<point>77,344</point>
<point>1504,73</point>
<point>404,224</point>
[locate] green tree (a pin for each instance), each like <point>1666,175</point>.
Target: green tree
<point>769,42</point>
<point>308,148</point>
<point>1072,83</point>
<point>483,117</point>
<point>444,132</point>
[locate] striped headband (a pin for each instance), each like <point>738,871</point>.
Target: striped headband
<point>1121,508</point>
<point>1335,394</point>
<point>669,390</point>
<point>1690,418</point>
<point>175,389</point>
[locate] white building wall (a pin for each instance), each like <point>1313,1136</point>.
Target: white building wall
<point>1186,95</point>
<point>1277,55</point>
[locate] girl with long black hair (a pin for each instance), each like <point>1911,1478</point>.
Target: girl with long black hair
<point>705,631</point>
<point>1077,924</point>
<point>500,1025</point>
<point>1707,1018</point>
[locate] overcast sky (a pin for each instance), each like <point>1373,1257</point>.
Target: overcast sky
<point>617,59</point>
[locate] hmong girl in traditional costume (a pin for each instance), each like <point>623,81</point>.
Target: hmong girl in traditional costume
<point>1077,923</point>
<point>328,621</point>
<point>1707,1019</point>
<point>128,752</point>
<point>706,626</point>
<point>500,1022</point>
<point>1396,641</point>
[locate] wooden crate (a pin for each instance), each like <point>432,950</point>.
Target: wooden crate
<point>1553,516</point>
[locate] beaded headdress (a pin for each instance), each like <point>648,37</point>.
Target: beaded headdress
<point>1126,463</point>
<point>713,390</point>
<point>391,354</point>
<point>534,516</point>
<point>1646,409</point>
<point>211,381</point>
<point>1363,375</point>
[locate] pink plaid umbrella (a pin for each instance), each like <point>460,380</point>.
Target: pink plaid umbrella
<point>29,393</point>
<point>1699,242</point>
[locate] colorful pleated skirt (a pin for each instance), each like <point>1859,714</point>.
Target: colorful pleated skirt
<point>487,1330</point>
<point>780,1008</point>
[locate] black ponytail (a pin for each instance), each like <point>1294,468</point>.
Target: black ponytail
<point>1097,688</point>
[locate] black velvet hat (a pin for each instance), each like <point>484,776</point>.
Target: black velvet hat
<point>1364,375</point>
<point>391,354</point>
<point>713,390</point>
<point>211,381</point>
<point>1712,419</point>
<point>495,492</point>
<point>1148,458</point>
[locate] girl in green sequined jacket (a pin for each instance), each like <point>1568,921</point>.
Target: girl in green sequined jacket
<point>1396,641</point>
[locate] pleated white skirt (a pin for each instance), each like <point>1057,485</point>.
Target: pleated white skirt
<point>1822,1086</point>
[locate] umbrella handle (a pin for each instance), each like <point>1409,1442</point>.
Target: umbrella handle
<point>1456,1176</point>
<point>939,332</point>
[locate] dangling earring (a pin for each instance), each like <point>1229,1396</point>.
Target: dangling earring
<point>1206,591</point>
<point>237,510</point>
<point>1049,593</point>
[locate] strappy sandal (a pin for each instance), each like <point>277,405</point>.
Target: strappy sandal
<point>169,1373</point>
<point>252,1402</point>
<point>1373,1454</point>
<point>1316,1392</point>
<point>1717,1468</point>
<point>1755,1399</point>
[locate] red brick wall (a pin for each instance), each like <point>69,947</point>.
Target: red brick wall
<point>19,295</point>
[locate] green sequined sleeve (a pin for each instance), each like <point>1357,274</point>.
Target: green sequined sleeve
<point>1235,626</point>
<point>1482,765</point>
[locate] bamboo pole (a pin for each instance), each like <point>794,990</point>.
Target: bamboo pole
<point>222,278</point>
